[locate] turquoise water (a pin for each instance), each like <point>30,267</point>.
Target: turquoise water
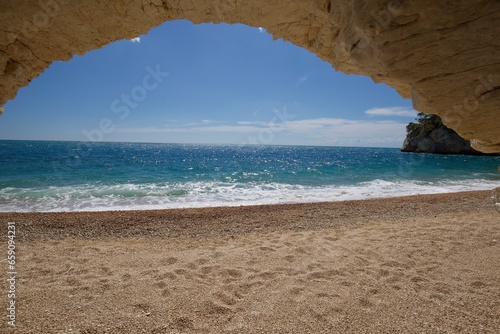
<point>77,176</point>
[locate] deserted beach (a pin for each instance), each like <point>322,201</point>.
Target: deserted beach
<point>420,264</point>
<point>249,167</point>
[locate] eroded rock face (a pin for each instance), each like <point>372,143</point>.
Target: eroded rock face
<point>442,54</point>
<point>430,135</point>
<point>440,140</point>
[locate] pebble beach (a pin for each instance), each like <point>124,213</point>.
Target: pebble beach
<point>415,264</point>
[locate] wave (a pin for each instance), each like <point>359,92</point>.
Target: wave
<point>211,194</point>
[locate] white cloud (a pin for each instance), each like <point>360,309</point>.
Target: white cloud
<point>318,131</point>
<point>330,131</point>
<point>205,129</point>
<point>261,30</point>
<point>136,40</point>
<point>256,123</point>
<point>392,111</point>
<point>301,80</point>
<point>189,125</point>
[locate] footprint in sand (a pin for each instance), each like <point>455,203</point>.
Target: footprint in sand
<point>166,276</point>
<point>169,261</point>
<point>149,272</point>
<point>205,271</point>
<point>267,249</point>
<point>301,250</point>
<point>266,276</point>
<point>365,302</point>
<point>226,299</point>
<point>184,272</point>
<point>326,274</point>
<point>313,266</point>
<point>182,323</point>
<point>105,271</point>
<point>212,307</point>
<point>73,281</point>
<point>296,291</point>
<point>160,285</point>
<point>234,273</point>
<point>192,266</point>
<point>202,261</point>
<point>103,286</point>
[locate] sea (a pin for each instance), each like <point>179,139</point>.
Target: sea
<point>55,176</point>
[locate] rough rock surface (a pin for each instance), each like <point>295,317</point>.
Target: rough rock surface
<point>440,140</point>
<point>442,54</point>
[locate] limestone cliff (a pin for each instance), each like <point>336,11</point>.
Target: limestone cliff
<point>442,54</point>
<point>430,135</point>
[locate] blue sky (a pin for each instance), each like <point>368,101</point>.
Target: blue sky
<point>208,83</point>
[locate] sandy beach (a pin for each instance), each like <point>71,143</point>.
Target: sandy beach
<point>419,264</point>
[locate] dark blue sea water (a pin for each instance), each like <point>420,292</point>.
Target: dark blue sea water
<point>76,176</point>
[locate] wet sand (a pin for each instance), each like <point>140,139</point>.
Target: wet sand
<point>419,264</point>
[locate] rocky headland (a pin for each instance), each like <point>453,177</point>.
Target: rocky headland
<point>430,135</point>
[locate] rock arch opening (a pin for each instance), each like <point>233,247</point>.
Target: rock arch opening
<point>442,55</point>
<point>206,83</point>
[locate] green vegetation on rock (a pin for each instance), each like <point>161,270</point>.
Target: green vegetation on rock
<point>430,135</point>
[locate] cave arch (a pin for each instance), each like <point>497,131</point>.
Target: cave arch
<point>442,54</point>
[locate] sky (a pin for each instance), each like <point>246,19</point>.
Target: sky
<point>206,83</point>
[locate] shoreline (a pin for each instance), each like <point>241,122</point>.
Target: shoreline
<point>192,196</point>
<point>172,222</point>
<point>417,264</point>
<point>253,204</point>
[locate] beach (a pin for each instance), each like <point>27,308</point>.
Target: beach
<point>414,264</point>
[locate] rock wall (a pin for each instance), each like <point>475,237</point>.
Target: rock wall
<point>442,54</point>
<point>440,140</point>
<point>430,135</point>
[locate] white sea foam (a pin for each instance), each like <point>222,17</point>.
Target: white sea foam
<point>200,194</point>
